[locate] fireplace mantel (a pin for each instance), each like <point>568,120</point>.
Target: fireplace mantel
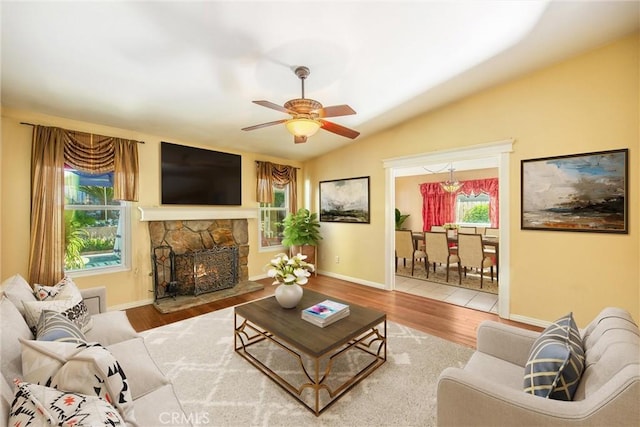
<point>170,213</point>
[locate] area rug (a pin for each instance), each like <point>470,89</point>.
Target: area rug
<point>218,386</point>
<point>471,281</point>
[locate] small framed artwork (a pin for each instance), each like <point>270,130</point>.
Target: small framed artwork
<point>578,192</point>
<point>345,200</point>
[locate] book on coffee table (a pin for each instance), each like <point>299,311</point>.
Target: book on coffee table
<point>325,313</point>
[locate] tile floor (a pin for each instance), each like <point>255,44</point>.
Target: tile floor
<point>452,294</point>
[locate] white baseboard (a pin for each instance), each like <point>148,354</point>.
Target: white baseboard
<point>529,320</point>
<point>336,276</point>
<point>129,305</point>
<point>353,279</point>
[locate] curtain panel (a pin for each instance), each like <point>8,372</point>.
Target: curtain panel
<point>270,175</point>
<point>438,206</point>
<point>51,149</point>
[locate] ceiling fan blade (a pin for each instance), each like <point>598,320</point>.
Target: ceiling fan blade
<point>335,111</point>
<point>273,106</point>
<point>264,125</point>
<point>340,130</point>
<point>299,139</point>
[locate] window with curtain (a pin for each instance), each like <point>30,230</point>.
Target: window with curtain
<point>271,217</point>
<point>54,150</point>
<point>440,207</point>
<point>96,225</point>
<point>276,191</point>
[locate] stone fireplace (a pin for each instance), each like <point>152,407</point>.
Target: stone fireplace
<point>192,257</point>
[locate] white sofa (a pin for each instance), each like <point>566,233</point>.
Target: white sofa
<point>488,391</point>
<point>154,399</point>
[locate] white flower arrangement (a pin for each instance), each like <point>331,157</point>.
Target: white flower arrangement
<point>289,271</point>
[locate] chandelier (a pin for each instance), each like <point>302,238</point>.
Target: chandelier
<point>451,185</point>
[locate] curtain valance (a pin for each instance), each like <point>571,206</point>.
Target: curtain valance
<point>270,175</point>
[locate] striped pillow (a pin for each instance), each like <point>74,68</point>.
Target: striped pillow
<point>556,361</point>
<point>54,326</point>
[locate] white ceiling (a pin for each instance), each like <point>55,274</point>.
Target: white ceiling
<point>188,71</point>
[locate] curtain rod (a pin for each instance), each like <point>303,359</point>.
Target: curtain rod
<point>31,124</point>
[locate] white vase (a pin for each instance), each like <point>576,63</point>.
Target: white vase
<point>288,296</point>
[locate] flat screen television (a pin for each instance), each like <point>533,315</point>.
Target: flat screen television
<point>195,176</point>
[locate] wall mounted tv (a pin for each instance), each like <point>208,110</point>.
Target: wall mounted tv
<point>195,176</point>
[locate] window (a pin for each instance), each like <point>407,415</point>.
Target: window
<point>96,226</point>
<point>271,217</point>
<point>473,210</point>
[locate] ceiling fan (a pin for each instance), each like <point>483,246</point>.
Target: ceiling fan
<point>307,115</point>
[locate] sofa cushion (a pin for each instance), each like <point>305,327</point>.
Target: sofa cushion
<point>81,368</point>
<point>143,374</point>
<point>54,326</point>
<point>556,361</point>
<point>68,301</point>
<point>37,405</point>
<point>17,290</point>
<point>170,412</point>
<point>13,328</point>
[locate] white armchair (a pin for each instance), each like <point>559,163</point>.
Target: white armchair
<point>489,390</point>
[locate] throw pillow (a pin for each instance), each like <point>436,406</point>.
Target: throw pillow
<point>36,405</point>
<point>54,326</point>
<point>556,361</point>
<point>68,301</point>
<point>44,293</point>
<point>17,290</point>
<point>82,368</point>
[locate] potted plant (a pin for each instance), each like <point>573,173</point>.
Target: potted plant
<point>301,232</point>
<point>400,219</point>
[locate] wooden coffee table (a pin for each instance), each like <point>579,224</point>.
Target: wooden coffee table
<point>315,351</point>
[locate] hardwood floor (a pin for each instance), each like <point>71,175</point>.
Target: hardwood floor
<point>451,322</point>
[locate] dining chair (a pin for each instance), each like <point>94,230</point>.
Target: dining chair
<point>437,249</point>
<point>492,232</point>
<point>471,254</point>
<point>467,230</point>
<point>405,249</point>
<point>438,228</point>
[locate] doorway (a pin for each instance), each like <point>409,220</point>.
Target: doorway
<point>496,152</point>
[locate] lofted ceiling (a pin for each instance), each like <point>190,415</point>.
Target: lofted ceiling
<point>188,71</point>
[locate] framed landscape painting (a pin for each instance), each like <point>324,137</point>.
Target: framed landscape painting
<point>345,200</point>
<point>580,192</point>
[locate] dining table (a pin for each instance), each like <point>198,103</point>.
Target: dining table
<point>492,241</point>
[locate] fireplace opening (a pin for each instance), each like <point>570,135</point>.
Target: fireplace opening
<point>196,272</point>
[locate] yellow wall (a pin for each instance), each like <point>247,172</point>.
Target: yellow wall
<point>125,288</point>
<point>588,103</point>
<point>408,197</point>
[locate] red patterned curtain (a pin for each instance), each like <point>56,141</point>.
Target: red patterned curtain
<point>438,206</point>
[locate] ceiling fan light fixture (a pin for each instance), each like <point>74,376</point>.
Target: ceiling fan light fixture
<point>302,126</point>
